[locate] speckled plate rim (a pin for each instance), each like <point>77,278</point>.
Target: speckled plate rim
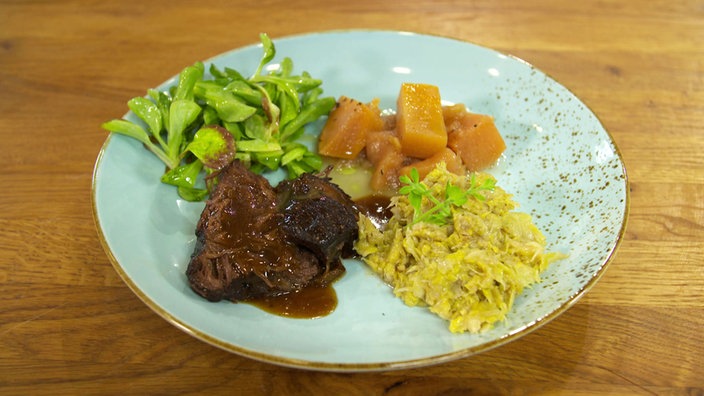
<point>368,367</point>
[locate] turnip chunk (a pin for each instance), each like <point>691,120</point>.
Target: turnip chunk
<point>419,120</point>
<point>345,132</point>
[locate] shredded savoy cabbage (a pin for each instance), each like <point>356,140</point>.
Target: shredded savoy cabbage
<point>467,271</point>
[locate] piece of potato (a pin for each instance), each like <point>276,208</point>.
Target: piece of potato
<point>380,144</point>
<point>473,137</point>
<point>451,160</point>
<point>386,172</point>
<point>345,132</point>
<point>383,151</point>
<point>419,120</point>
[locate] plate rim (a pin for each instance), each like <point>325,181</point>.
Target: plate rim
<point>373,366</point>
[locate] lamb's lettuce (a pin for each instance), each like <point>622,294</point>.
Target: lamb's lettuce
<point>206,120</point>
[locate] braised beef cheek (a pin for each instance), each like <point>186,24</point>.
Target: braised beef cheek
<point>256,241</point>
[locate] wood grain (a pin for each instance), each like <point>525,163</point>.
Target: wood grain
<point>69,325</point>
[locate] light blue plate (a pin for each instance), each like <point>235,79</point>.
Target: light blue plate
<point>560,164</point>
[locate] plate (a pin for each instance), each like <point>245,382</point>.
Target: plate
<point>560,164</point>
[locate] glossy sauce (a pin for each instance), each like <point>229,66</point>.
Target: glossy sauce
<point>308,303</point>
<point>376,207</point>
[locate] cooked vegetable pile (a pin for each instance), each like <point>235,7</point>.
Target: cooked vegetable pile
<point>421,134</point>
<point>204,122</point>
<point>456,245</point>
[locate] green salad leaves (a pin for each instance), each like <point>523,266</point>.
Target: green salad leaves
<point>201,124</point>
<point>440,210</point>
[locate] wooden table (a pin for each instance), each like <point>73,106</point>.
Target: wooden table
<point>69,325</point>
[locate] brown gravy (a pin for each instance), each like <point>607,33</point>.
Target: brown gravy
<point>376,207</point>
<point>308,303</point>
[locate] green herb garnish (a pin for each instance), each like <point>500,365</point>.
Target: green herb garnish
<point>440,210</point>
<point>201,124</point>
